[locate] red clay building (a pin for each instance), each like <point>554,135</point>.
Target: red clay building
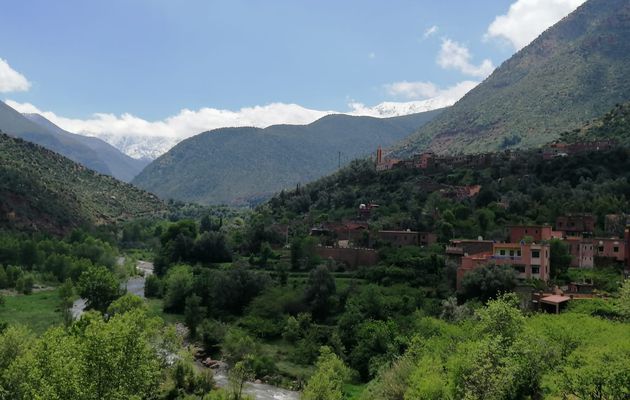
<point>352,257</point>
<point>465,247</point>
<point>581,250</point>
<point>530,261</point>
<point>576,224</point>
<point>407,238</point>
<point>537,233</point>
<point>612,249</point>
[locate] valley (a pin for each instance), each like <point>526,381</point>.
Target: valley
<point>478,249</point>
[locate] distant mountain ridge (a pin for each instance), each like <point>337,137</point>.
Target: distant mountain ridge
<point>42,191</point>
<point>575,71</point>
<point>148,147</point>
<point>239,166</point>
<point>90,152</point>
<point>120,165</point>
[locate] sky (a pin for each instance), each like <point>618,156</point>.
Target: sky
<point>176,68</point>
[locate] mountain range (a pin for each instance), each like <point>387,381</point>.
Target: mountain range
<point>91,152</point>
<point>241,166</point>
<point>43,191</point>
<point>151,146</point>
<point>575,71</point>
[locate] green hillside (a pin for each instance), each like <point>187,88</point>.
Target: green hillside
<point>91,152</point>
<point>575,71</point>
<point>43,191</point>
<point>119,165</point>
<point>244,165</point>
<point>614,125</point>
<point>517,187</point>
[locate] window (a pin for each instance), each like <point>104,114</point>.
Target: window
<point>535,269</point>
<point>511,253</point>
<point>616,249</point>
<point>535,253</point>
<point>502,252</point>
<point>520,269</point>
<point>518,253</point>
<point>600,249</point>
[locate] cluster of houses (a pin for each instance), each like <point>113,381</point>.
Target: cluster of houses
<point>559,149</point>
<point>527,249</point>
<point>528,252</point>
<point>431,161</point>
<point>353,244</point>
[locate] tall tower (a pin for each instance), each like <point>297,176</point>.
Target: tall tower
<point>379,155</point>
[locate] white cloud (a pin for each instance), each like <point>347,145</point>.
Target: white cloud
<point>372,55</point>
<point>526,19</point>
<point>139,138</point>
<point>412,90</point>
<point>430,31</point>
<point>453,55</point>
<point>11,80</point>
<point>185,124</point>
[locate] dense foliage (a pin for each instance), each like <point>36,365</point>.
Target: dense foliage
<point>500,354</point>
<point>43,191</point>
<point>242,166</point>
<point>515,188</point>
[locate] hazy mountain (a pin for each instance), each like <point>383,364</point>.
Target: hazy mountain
<point>149,146</point>
<point>119,164</point>
<point>575,71</point>
<point>41,190</point>
<point>91,152</point>
<point>244,165</point>
<point>141,147</point>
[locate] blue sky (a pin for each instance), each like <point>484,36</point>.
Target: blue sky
<point>151,59</point>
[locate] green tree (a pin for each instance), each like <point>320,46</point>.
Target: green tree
<point>319,291</point>
<point>624,299</point>
<point>238,375</point>
<point>152,286</point>
<point>25,283</point>
<point>487,281</point>
<point>597,373</point>
<point>559,258</point>
<point>99,287</point>
<point>126,303</point>
<point>178,285</point>
<point>66,298</point>
<point>329,377</point>
<point>193,313</point>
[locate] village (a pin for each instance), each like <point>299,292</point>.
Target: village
<point>525,247</point>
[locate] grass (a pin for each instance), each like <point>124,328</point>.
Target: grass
<point>156,309</point>
<point>352,391</point>
<point>38,311</point>
<point>280,351</point>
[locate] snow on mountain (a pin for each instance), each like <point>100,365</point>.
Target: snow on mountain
<point>147,140</point>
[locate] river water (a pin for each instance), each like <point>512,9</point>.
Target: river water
<point>258,391</point>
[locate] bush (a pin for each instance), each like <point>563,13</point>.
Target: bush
<point>153,287</point>
<point>178,285</point>
<point>25,283</point>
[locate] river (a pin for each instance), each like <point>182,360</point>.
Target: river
<point>259,391</point>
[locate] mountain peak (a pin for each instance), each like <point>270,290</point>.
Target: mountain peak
<point>575,71</point>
